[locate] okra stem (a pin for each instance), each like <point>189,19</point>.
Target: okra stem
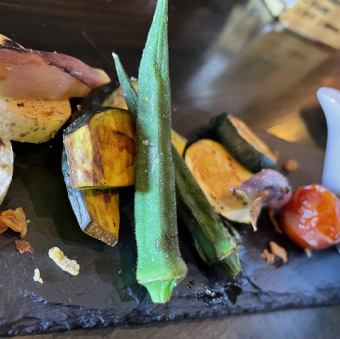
<point>129,92</point>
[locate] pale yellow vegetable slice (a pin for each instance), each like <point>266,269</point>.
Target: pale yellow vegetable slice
<point>217,173</point>
<point>32,120</point>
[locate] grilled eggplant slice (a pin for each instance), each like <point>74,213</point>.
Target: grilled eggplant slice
<point>97,211</point>
<point>100,148</point>
<point>242,142</point>
<point>6,167</point>
<point>217,173</point>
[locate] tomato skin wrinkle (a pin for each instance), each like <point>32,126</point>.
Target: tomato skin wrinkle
<point>311,218</point>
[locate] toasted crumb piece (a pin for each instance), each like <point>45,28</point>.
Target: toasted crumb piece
<point>66,264</point>
<point>23,246</point>
<point>278,251</point>
<point>268,257</point>
<point>37,276</point>
<point>15,220</point>
<point>275,252</point>
<point>290,165</point>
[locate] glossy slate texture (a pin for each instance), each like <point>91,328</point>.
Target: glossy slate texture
<point>106,293</point>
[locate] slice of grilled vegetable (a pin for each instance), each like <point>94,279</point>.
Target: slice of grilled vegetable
<point>97,211</point>
<point>179,142</point>
<point>117,99</point>
<point>35,87</point>
<point>242,142</point>
<point>217,173</point>
<point>100,148</point>
<point>212,240</point>
<point>6,167</point>
<point>30,74</point>
<point>32,120</point>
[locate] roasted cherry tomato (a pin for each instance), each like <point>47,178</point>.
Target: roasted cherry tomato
<point>312,217</point>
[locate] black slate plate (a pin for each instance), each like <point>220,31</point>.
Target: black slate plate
<point>106,293</point>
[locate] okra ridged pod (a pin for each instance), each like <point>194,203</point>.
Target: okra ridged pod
<point>159,263</point>
<point>212,240</point>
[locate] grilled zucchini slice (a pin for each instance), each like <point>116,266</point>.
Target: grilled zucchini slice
<point>242,142</point>
<point>217,173</point>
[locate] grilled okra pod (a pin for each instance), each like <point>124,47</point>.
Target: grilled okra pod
<point>213,242</point>
<point>159,263</point>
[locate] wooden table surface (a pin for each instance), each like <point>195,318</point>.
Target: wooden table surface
<point>91,29</point>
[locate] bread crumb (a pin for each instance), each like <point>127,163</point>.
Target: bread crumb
<point>23,246</point>
<point>61,260</point>
<point>268,257</point>
<point>37,276</point>
<point>275,252</point>
<point>278,251</point>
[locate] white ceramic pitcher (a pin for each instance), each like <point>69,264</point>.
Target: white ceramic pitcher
<point>329,99</point>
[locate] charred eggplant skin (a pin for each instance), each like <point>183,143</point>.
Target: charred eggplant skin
<point>75,196</point>
<point>96,211</point>
<point>84,118</point>
<point>246,152</point>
